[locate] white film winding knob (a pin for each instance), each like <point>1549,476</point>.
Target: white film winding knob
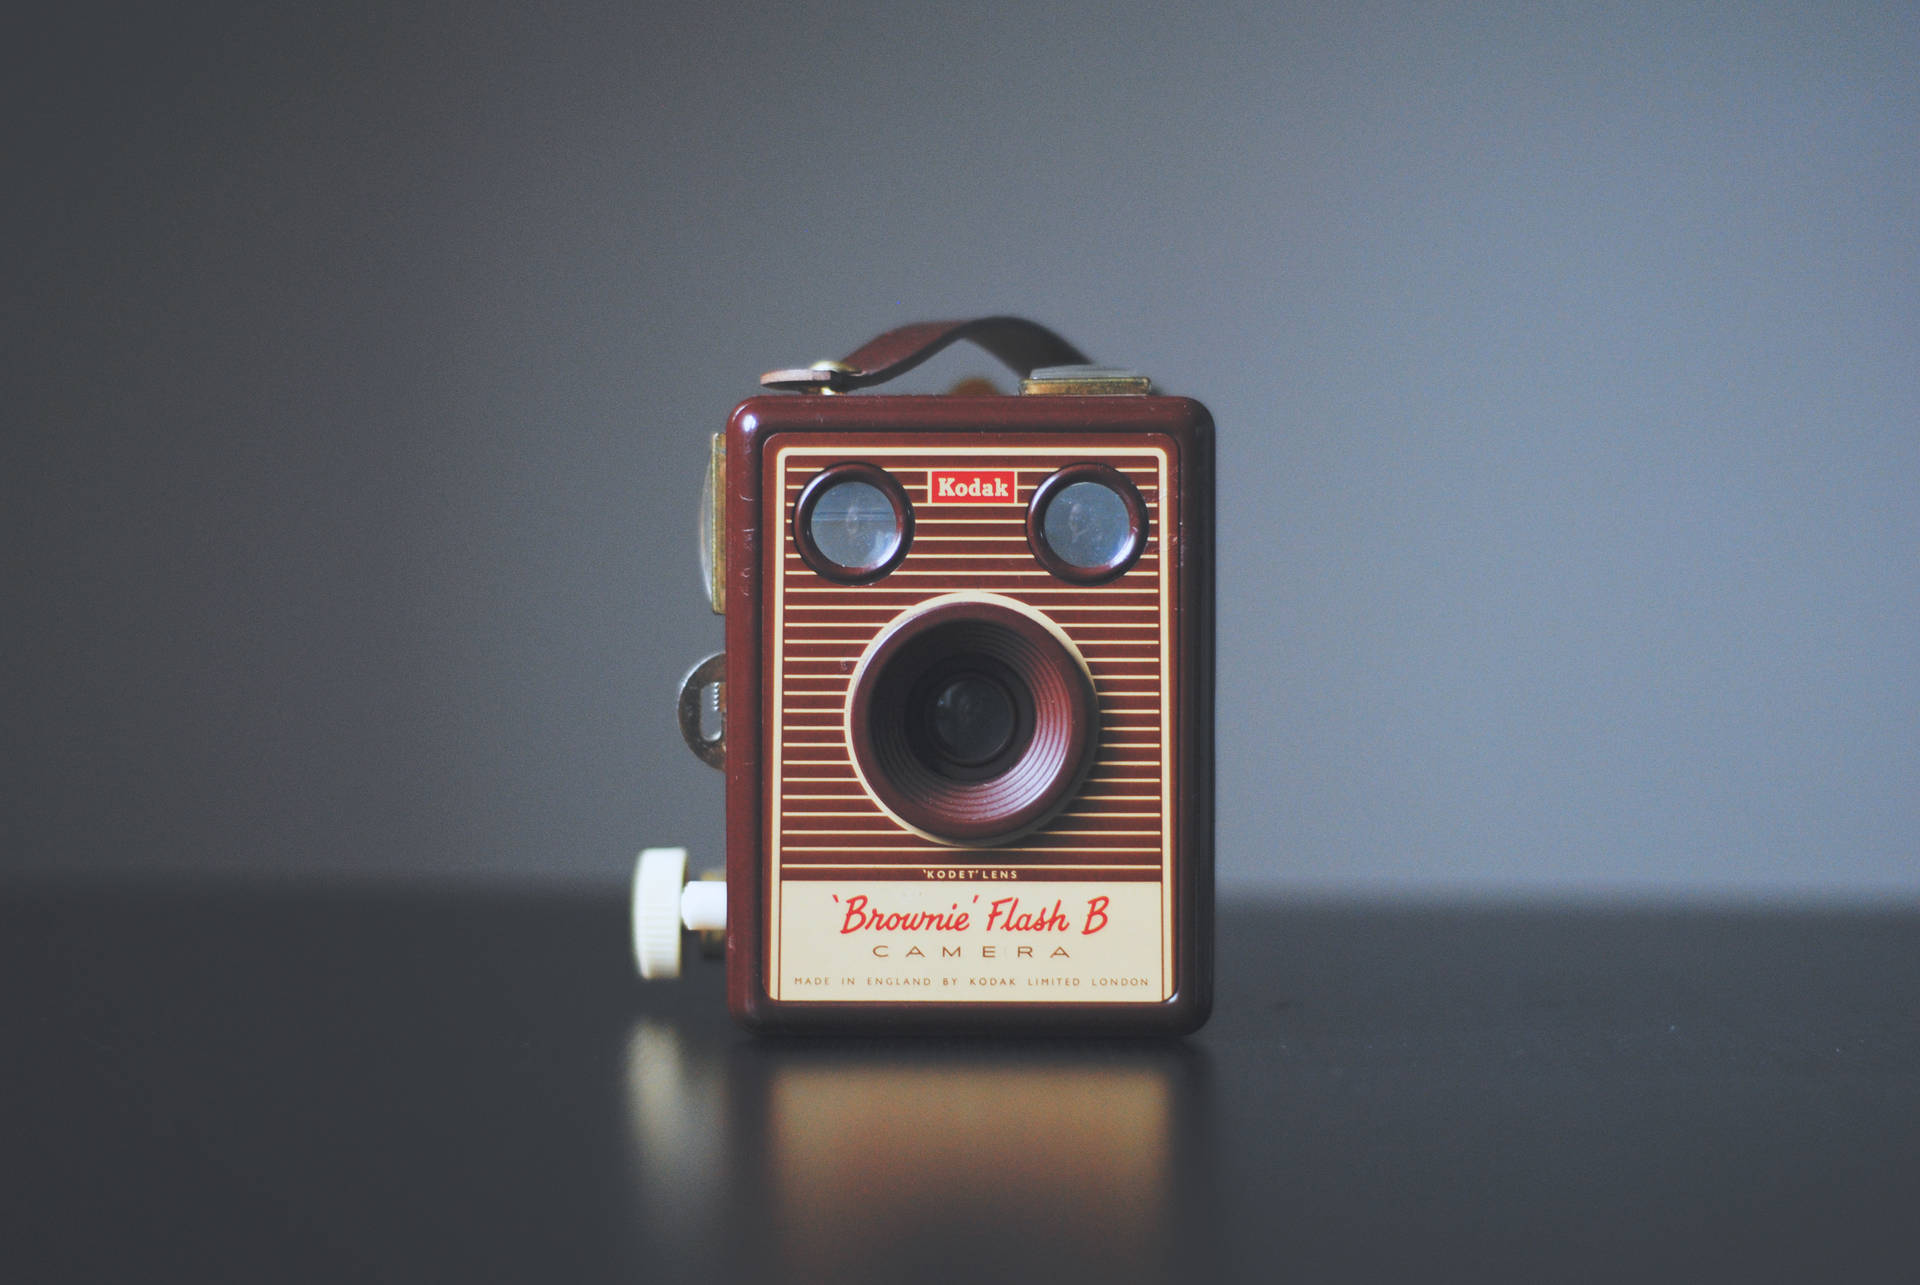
<point>657,880</point>
<point>663,903</point>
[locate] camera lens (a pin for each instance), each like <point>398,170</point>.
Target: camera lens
<point>1087,523</point>
<point>968,715</point>
<point>852,523</point>
<point>972,720</point>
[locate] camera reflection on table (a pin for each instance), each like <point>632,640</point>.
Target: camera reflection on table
<point>865,1158</point>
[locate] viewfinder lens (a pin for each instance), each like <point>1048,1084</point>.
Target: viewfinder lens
<point>1087,526</point>
<point>1087,523</point>
<point>853,523</point>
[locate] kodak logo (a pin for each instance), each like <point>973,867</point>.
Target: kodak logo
<point>970,486</point>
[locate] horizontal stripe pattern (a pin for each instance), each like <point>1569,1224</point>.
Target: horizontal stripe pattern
<point>828,824</point>
<point>829,827</point>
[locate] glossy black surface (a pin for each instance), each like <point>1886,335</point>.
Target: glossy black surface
<point>278,1085</point>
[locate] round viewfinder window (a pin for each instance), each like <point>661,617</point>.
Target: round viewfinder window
<point>853,523</point>
<point>1087,524</point>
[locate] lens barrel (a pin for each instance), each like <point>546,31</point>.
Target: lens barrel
<point>972,721</point>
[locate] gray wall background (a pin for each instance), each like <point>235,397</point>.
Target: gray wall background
<point>359,365</point>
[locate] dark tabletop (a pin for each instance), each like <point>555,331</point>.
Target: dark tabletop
<point>272,1085</point>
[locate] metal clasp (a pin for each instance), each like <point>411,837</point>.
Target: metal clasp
<point>1085,381</point>
<point>703,710</point>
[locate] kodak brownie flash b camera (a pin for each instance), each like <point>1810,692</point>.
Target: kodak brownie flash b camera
<point>965,709</point>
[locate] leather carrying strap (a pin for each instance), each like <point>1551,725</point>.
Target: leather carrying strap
<point>1022,345</point>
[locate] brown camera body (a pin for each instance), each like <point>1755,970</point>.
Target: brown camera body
<point>969,780</point>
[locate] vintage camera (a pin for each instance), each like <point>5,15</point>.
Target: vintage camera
<point>965,709</point>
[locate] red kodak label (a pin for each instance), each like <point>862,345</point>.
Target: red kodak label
<point>970,486</point>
